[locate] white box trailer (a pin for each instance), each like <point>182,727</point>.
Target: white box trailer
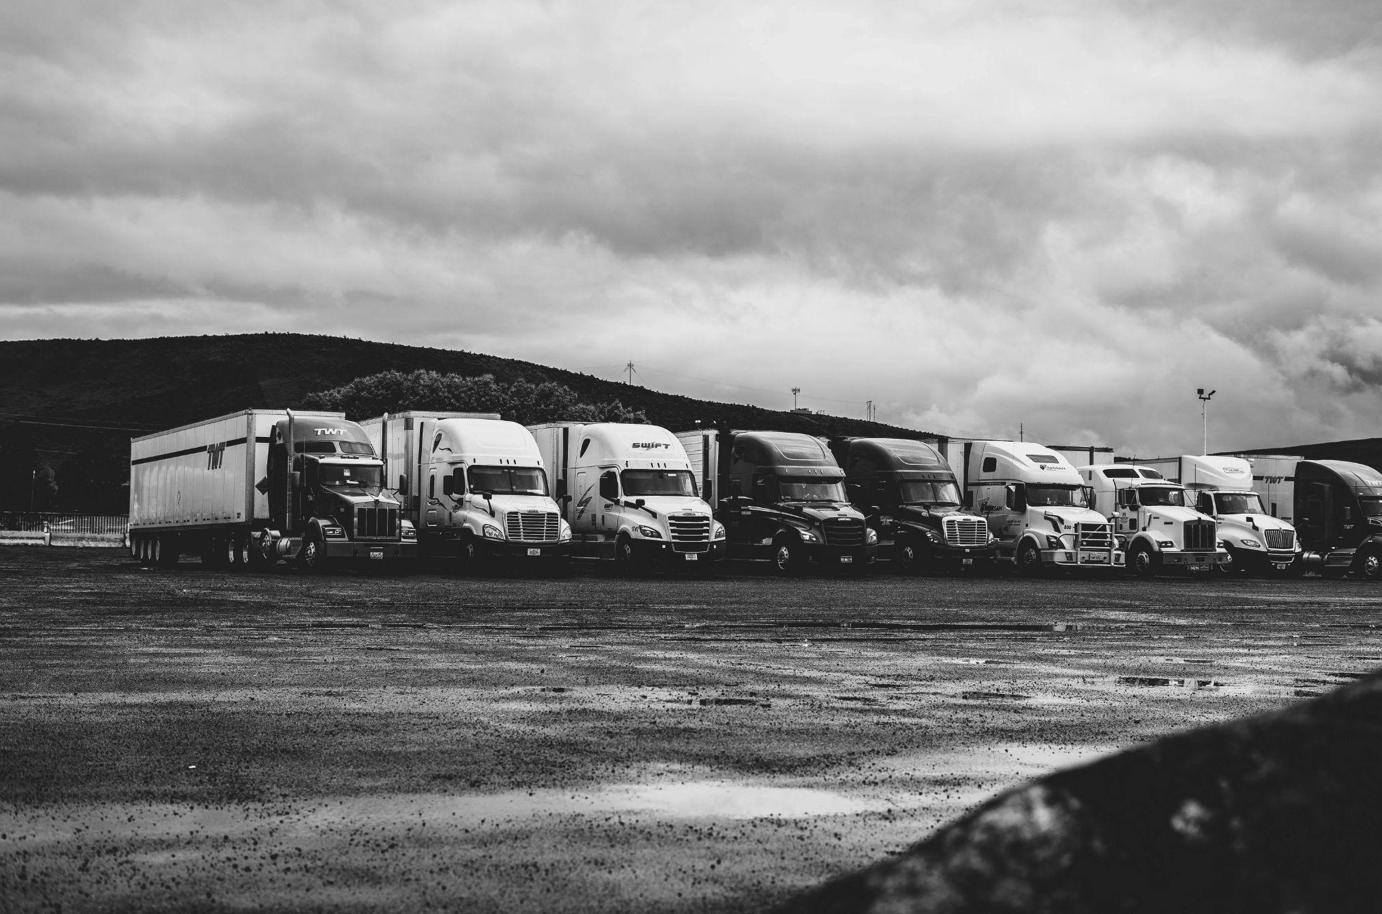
<point>226,490</point>
<point>474,485</point>
<point>1273,478</point>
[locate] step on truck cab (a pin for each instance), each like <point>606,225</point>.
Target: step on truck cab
<point>1222,488</point>
<point>630,495</point>
<point>253,487</point>
<point>1035,504</point>
<point>1338,512</point>
<point>475,487</point>
<point>910,497</point>
<point>1155,519</point>
<point>781,498</point>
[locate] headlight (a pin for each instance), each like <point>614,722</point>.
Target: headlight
<point>646,532</point>
<point>333,531</point>
<point>717,531</point>
<point>492,532</point>
<point>409,531</point>
<point>1122,541</point>
<point>1166,544</point>
<point>1251,544</point>
<point>1053,542</point>
<point>931,536</point>
<point>564,533</point>
<point>806,535</point>
<point>871,536</point>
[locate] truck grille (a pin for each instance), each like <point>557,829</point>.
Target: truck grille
<point>533,526</point>
<point>842,531</point>
<point>1094,536</point>
<point>1280,539</point>
<point>966,531</point>
<point>689,528</point>
<point>376,523</point>
<point>1199,535</point>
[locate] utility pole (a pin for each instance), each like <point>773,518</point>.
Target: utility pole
<point>1204,415</point>
<point>868,410</point>
<point>630,368</point>
<point>1021,431</point>
<point>795,391</point>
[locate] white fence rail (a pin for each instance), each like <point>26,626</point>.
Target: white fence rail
<point>42,528</point>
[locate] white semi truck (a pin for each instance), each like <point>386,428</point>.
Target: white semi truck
<point>253,487</point>
<point>629,494</point>
<point>1035,505</point>
<point>474,486</point>
<point>1155,519</point>
<point>1223,488</point>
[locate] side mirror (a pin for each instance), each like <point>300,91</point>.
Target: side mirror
<point>638,502</point>
<point>487,496</point>
<point>402,484</point>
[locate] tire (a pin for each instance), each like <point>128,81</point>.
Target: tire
<point>469,553</point>
<point>255,559</point>
<point>1368,565</point>
<point>1142,561</point>
<point>312,558</point>
<point>1235,567</point>
<point>234,551</point>
<point>910,559</point>
<point>1029,560</point>
<point>788,556</point>
<point>625,559</point>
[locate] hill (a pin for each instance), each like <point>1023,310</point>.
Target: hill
<point>71,406</point>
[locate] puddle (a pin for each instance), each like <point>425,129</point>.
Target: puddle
<point>1163,682</point>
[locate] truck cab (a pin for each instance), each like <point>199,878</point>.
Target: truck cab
<point>1338,507</point>
<point>328,501</point>
<point>1036,507</point>
<point>629,494</point>
<point>1257,542</point>
<point>1155,519</point>
<point>911,499</point>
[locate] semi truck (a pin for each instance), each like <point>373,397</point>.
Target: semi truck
<point>1222,488</point>
<point>629,494</point>
<point>1035,505</point>
<point>474,487</point>
<point>910,497</point>
<point>1155,519</point>
<point>257,486</point>
<point>780,497</point>
<point>1338,511</point>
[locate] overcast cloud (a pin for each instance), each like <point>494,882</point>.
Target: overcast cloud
<point>976,214</point>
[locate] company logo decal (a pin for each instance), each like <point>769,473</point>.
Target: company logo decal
<point>330,431</point>
<point>650,445</point>
<point>583,503</point>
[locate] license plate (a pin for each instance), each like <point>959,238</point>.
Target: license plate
<point>377,554</point>
<point>534,552</point>
<point>1197,567</point>
<point>1096,558</point>
<point>966,561</point>
<point>692,557</point>
<point>846,559</point>
<point>1281,566</point>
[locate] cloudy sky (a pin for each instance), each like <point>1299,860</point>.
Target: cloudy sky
<point>1060,215</point>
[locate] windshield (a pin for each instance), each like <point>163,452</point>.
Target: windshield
<point>1161,495</point>
<point>658,482</point>
<point>508,480</point>
<point>1056,496</point>
<point>796,488</point>
<point>342,476</point>
<point>1239,503</point>
<point>927,492</point>
<point>1372,507</point>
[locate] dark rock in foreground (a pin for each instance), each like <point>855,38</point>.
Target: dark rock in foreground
<point>1279,813</point>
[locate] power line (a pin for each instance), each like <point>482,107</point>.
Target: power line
<point>61,423</point>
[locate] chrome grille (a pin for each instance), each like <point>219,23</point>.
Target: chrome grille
<point>533,526</point>
<point>376,523</point>
<point>1094,536</point>
<point>843,531</point>
<point>1199,535</point>
<point>1280,539</point>
<point>689,528</point>
<point>966,531</point>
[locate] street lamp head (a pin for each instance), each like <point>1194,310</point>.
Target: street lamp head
<point>1199,391</point>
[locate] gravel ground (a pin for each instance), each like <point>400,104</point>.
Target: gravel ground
<point>188,740</point>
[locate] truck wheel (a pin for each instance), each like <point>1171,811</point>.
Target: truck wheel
<point>625,559</point>
<point>788,556</point>
<point>469,553</point>
<point>1142,561</point>
<point>1235,567</point>
<point>233,551</point>
<point>312,558</point>
<point>910,559</point>
<point>254,557</point>
<point>1029,560</point>
<point>1368,566</point>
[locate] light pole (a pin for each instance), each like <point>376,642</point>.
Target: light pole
<point>1204,415</point>
<point>795,391</point>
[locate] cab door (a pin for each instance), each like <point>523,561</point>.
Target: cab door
<point>607,500</point>
<point>431,517</point>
